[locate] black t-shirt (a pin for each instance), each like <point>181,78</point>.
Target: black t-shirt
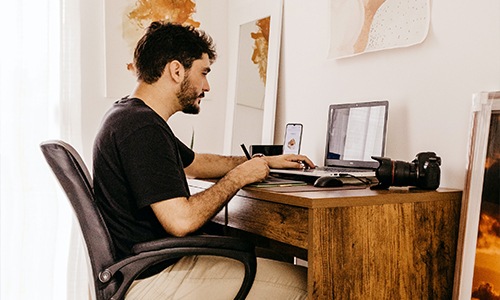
<point>137,161</point>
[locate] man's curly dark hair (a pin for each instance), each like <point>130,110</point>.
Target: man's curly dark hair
<point>165,42</point>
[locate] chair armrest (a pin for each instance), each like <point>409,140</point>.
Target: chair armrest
<point>145,255</point>
<point>202,241</point>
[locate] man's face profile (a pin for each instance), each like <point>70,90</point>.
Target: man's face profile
<point>194,85</point>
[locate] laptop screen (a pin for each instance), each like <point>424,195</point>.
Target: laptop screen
<point>356,132</point>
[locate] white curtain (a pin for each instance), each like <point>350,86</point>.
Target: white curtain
<point>39,94</point>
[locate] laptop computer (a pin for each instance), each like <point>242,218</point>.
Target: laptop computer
<point>355,133</point>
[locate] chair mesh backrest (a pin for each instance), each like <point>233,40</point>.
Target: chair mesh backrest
<point>76,181</point>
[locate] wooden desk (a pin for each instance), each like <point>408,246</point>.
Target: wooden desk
<point>360,244</point>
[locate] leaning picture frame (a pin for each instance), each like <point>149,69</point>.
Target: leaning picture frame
<point>477,272</point>
<point>254,31</point>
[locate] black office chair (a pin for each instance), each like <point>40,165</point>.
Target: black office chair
<point>113,277</point>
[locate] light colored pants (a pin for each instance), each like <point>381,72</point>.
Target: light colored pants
<point>214,278</point>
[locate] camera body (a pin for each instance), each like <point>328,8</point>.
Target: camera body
<point>423,172</point>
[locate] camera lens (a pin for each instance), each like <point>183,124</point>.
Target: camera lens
<point>395,172</point>
<point>404,173</point>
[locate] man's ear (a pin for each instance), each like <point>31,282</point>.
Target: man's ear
<point>176,71</point>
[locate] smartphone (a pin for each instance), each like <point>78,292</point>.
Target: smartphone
<point>293,138</point>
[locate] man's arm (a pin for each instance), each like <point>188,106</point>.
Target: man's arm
<point>181,216</point>
<point>212,165</point>
<point>216,166</point>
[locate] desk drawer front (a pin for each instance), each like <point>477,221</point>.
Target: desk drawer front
<point>283,223</point>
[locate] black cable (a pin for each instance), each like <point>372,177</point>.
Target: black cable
<point>364,180</point>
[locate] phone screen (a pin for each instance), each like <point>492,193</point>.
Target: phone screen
<point>293,137</point>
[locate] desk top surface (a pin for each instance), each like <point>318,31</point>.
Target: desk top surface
<point>311,197</point>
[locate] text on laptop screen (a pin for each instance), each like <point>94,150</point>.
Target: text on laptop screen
<point>356,132</point>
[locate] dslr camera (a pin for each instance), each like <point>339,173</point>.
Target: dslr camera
<point>423,172</point>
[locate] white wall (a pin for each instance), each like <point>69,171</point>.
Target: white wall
<point>429,86</point>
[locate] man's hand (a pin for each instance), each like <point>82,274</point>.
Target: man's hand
<point>253,170</point>
<point>289,161</point>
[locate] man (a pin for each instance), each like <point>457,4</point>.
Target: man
<point>140,170</point>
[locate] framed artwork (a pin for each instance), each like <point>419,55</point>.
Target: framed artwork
<point>254,49</point>
<point>358,27</point>
<point>125,22</point>
<point>477,274</point>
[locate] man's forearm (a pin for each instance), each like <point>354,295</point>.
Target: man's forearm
<point>212,165</point>
<point>211,200</point>
<point>182,216</point>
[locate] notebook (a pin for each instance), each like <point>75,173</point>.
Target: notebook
<point>355,133</point>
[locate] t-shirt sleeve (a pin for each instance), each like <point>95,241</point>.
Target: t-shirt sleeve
<point>187,155</point>
<point>153,165</point>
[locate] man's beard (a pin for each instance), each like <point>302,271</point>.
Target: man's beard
<point>188,98</point>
